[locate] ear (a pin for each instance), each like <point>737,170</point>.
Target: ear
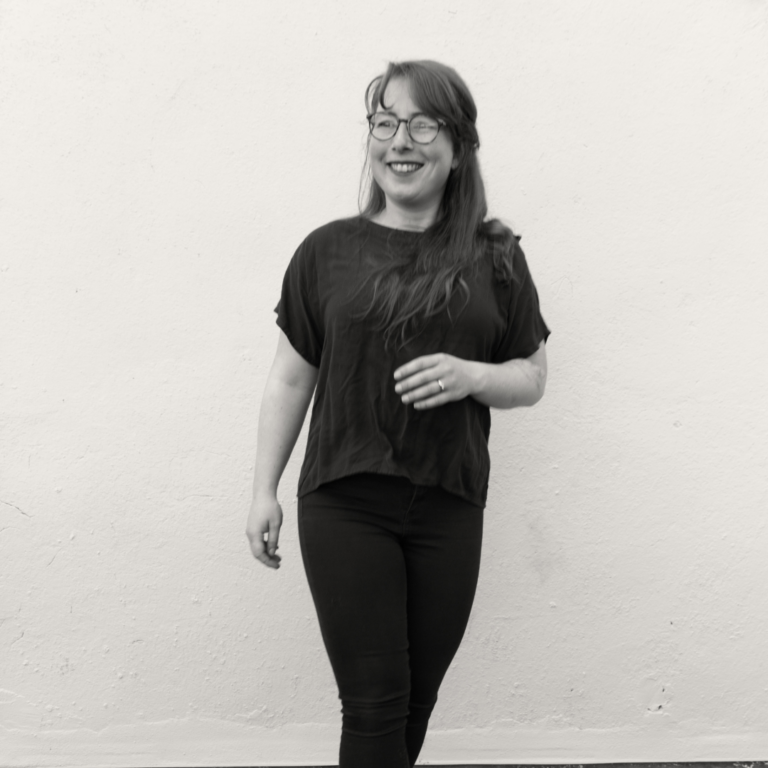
<point>455,162</point>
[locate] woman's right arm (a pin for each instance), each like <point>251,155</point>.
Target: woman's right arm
<point>289,389</point>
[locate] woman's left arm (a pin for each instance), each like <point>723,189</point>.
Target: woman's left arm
<point>433,380</point>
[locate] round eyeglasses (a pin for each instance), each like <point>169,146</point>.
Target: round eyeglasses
<point>421,128</point>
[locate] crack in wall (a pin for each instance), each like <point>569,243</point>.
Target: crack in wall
<point>8,504</point>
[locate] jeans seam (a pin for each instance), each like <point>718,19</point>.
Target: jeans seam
<point>408,509</point>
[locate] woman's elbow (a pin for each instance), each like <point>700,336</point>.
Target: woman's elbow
<point>536,385</point>
<point>538,374</point>
<point>540,384</point>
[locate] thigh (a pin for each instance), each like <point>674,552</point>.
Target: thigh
<point>355,566</point>
<point>443,547</point>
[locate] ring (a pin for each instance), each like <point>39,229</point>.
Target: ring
<point>440,384</point>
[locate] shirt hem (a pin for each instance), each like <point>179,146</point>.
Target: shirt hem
<point>309,487</point>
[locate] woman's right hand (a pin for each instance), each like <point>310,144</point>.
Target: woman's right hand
<point>265,517</point>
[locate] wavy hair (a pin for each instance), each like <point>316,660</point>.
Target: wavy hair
<point>411,288</point>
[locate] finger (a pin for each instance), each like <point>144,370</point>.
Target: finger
<point>272,537</point>
<point>259,550</point>
<point>412,382</point>
<point>422,379</point>
<point>257,546</point>
<point>431,389</point>
<point>414,366</point>
<point>431,402</point>
<point>270,562</point>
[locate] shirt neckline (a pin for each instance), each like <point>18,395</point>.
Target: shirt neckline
<point>389,232</point>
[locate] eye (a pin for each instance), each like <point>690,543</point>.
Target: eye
<point>383,121</point>
<point>424,124</point>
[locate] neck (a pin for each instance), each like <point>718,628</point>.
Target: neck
<point>399,218</point>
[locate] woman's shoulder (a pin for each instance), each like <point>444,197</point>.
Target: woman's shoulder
<point>501,248</point>
<point>332,237</point>
<point>336,230</point>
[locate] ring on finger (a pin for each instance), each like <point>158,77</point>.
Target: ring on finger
<point>441,385</point>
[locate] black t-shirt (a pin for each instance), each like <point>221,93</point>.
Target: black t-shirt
<point>359,423</point>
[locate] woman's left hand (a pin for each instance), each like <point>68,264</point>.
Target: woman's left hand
<point>434,380</point>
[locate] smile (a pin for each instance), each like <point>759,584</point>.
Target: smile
<point>404,167</point>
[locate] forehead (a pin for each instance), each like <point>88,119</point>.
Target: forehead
<point>397,97</point>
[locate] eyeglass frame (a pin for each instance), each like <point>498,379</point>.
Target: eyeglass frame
<point>440,124</point>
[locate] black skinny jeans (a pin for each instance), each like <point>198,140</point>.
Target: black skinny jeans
<point>392,568</point>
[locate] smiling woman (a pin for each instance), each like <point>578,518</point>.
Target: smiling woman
<point>411,171</point>
<point>407,323</point>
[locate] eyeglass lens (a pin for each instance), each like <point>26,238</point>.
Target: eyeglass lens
<point>421,128</point>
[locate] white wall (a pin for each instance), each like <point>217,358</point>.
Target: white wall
<point>159,163</point>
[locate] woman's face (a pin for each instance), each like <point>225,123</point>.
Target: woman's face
<point>412,176</point>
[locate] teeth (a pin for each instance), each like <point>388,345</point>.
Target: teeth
<point>404,167</point>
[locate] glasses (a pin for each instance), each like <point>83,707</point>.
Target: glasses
<point>421,128</point>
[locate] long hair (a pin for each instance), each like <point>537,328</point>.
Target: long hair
<point>407,290</point>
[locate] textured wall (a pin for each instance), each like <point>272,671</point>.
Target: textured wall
<point>159,163</point>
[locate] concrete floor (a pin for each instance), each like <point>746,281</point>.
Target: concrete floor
<point>743,764</point>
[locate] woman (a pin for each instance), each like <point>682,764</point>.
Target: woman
<point>407,322</point>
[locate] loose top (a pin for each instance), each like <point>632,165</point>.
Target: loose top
<point>359,423</point>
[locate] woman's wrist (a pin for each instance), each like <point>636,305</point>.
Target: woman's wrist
<point>265,482</point>
<point>264,491</point>
<point>477,376</point>
<point>511,384</point>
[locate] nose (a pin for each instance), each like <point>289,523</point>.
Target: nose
<point>402,139</point>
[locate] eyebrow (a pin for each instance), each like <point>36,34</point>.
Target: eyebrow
<point>394,114</point>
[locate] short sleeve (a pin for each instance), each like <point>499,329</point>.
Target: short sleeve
<point>298,311</point>
<point>525,327</point>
